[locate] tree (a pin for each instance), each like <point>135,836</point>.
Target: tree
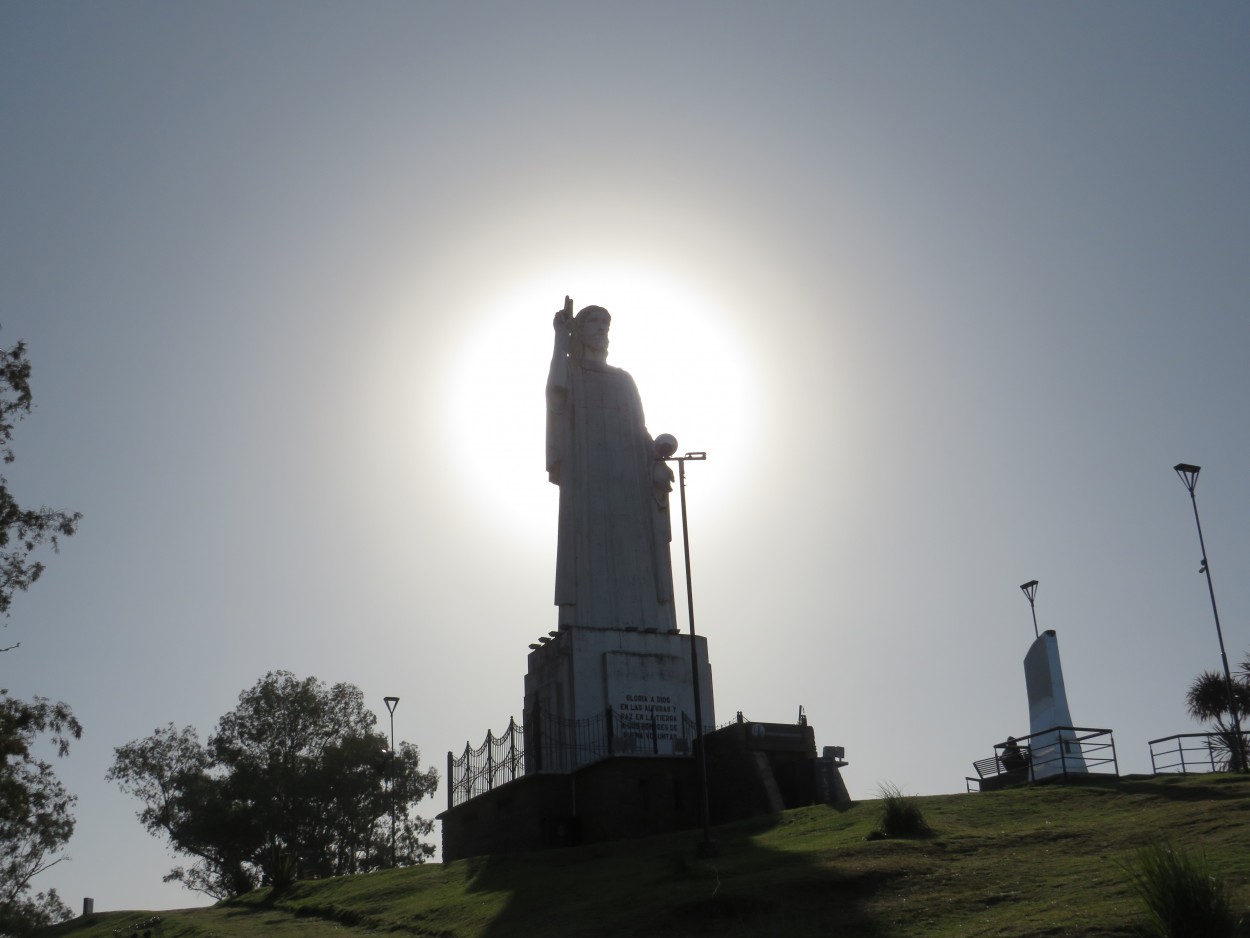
<point>22,530</point>
<point>35,819</point>
<point>1208,701</point>
<point>169,772</point>
<point>294,783</point>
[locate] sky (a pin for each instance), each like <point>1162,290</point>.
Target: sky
<point>943,290</point>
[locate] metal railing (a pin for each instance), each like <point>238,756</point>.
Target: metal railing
<point>1059,751</point>
<point>551,744</point>
<point>499,759</point>
<point>1070,750</point>
<point>1192,752</point>
<point>560,745</point>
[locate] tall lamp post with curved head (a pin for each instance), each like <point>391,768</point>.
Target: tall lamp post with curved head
<point>1188,475</point>
<point>391,704</point>
<point>1030,590</point>
<point>666,446</point>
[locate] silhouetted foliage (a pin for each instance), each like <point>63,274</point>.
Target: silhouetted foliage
<point>1181,896</point>
<point>22,530</point>
<point>294,783</point>
<point>900,815</point>
<point>1208,700</point>
<point>35,820</point>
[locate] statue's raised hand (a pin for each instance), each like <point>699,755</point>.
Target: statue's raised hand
<point>564,318</point>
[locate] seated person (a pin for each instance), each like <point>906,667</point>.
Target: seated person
<point>1013,757</point>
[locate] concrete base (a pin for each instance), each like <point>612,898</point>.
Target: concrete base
<point>613,799</point>
<point>642,678</point>
<point>765,768</point>
<point>753,769</point>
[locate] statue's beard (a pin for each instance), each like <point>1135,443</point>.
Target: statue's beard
<point>594,353</point>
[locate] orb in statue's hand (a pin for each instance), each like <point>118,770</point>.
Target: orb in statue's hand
<point>665,445</point>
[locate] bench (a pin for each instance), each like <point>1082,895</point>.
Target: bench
<point>991,774</point>
<point>989,767</point>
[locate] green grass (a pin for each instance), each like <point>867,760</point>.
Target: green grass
<point>1050,859</point>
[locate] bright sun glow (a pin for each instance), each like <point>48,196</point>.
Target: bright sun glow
<point>680,348</point>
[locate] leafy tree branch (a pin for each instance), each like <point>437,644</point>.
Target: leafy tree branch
<point>22,530</point>
<point>35,818</point>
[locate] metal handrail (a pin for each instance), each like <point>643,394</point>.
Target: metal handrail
<point>1057,743</point>
<point>1089,754</point>
<point>1207,762</point>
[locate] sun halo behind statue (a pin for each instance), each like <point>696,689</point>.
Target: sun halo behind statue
<point>682,351</point>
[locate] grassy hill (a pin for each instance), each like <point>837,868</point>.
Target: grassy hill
<point>1042,860</point>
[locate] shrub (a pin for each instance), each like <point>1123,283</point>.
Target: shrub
<point>1181,896</point>
<point>900,814</point>
<point>285,869</point>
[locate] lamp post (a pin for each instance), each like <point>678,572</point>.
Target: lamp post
<point>706,848</point>
<point>391,704</point>
<point>1030,590</point>
<point>1188,475</point>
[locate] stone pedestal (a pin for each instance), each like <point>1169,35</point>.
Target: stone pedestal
<point>592,693</point>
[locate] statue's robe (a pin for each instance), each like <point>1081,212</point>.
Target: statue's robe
<point>613,564</point>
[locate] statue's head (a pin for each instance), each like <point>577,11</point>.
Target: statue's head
<point>589,337</point>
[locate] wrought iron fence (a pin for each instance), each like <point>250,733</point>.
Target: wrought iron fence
<point>561,745</point>
<point>547,743</point>
<point>499,759</point>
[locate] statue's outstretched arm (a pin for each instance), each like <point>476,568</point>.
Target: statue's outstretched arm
<point>558,376</point>
<point>558,391</point>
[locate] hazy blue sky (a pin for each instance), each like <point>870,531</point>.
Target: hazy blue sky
<point>944,290</point>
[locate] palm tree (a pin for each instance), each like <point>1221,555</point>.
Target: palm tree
<point>1208,700</point>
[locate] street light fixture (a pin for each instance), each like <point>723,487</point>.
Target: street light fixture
<point>707,848</point>
<point>391,704</point>
<point>1030,590</point>
<point>1188,475</point>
